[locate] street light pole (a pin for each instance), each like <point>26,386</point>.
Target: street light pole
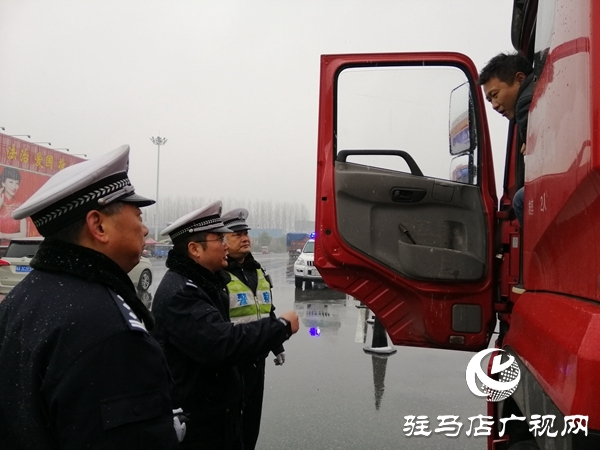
<point>158,141</point>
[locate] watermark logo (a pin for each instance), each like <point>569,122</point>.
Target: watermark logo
<point>480,384</point>
<point>494,390</point>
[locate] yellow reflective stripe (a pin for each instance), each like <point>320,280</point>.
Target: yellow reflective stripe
<point>236,286</point>
<point>240,311</point>
<point>263,284</point>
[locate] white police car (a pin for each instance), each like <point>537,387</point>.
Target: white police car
<point>304,266</point>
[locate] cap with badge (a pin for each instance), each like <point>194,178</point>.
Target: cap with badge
<point>236,219</point>
<point>203,219</point>
<point>74,191</point>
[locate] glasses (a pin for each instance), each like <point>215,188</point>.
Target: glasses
<point>221,240</point>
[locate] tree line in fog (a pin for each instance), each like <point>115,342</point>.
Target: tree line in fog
<point>262,213</point>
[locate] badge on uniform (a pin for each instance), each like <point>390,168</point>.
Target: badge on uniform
<point>266,297</point>
<point>242,299</point>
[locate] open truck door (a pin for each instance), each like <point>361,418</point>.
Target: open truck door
<point>406,198</point>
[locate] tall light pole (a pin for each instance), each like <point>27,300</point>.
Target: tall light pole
<point>158,141</point>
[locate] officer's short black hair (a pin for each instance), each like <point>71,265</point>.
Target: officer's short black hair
<point>181,245</point>
<point>72,232</point>
<point>505,67</point>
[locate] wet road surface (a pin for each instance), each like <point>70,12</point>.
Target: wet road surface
<point>331,395</point>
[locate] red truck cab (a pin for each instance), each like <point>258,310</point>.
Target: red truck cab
<point>410,223</point>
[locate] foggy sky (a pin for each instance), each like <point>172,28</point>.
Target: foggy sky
<point>233,85</point>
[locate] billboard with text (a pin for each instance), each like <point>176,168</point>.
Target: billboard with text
<point>24,168</point>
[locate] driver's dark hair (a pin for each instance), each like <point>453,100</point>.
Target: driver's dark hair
<point>505,67</point>
<point>72,232</point>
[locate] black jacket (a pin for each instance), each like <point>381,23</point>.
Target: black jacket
<point>524,97</point>
<point>246,272</point>
<point>203,347</point>
<point>77,367</point>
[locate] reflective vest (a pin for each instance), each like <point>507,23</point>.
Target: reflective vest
<point>244,306</point>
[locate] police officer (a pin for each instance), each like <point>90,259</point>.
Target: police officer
<point>250,299</point>
<point>77,367</point>
<point>202,346</point>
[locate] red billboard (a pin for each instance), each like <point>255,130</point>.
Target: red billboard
<point>24,168</point>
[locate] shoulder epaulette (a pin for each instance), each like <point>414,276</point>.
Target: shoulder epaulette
<point>130,317</point>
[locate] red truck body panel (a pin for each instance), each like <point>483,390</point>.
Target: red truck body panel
<point>555,324</point>
<point>556,337</point>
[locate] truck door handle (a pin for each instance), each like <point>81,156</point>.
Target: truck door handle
<point>407,195</point>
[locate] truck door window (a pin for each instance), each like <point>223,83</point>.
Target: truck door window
<point>411,109</point>
<point>406,174</point>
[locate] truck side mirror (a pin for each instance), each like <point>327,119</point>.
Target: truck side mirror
<point>462,126</point>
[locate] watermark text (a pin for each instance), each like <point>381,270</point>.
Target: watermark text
<point>480,425</point>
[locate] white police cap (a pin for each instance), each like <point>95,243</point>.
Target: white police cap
<point>203,219</point>
<point>236,219</point>
<point>74,191</point>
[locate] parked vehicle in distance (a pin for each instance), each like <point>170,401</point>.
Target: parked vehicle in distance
<point>14,266</point>
<point>141,275</point>
<point>161,250</point>
<point>264,250</point>
<point>304,266</point>
<point>295,242</point>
